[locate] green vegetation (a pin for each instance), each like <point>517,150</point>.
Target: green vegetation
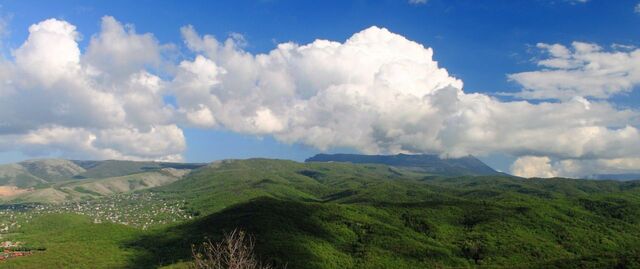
<point>427,163</point>
<point>81,189</point>
<point>142,210</point>
<point>117,168</point>
<point>73,241</point>
<point>340,215</point>
<point>76,190</point>
<point>59,181</point>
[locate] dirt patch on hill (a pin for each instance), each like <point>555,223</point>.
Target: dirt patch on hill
<point>12,190</point>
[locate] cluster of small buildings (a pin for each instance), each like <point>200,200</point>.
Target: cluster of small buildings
<point>8,250</point>
<point>10,219</point>
<point>143,210</point>
<point>7,254</point>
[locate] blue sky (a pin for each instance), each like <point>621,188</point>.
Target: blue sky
<point>478,42</point>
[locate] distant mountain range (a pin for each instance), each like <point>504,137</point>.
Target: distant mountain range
<point>31,173</point>
<point>58,180</point>
<point>620,177</point>
<point>432,164</point>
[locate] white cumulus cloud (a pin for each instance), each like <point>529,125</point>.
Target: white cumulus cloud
<point>584,69</point>
<point>119,51</point>
<point>532,166</point>
<point>376,92</point>
<point>381,93</point>
<point>545,167</point>
<point>103,104</point>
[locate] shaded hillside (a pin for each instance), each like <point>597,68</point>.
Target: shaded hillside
<point>429,234</point>
<point>340,215</point>
<point>432,164</point>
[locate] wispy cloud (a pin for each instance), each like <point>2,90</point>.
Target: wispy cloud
<point>417,2</point>
<point>3,26</point>
<point>4,32</point>
<point>4,23</point>
<point>583,69</point>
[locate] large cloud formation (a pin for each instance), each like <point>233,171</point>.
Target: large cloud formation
<point>377,92</point>
<point>55,98</point>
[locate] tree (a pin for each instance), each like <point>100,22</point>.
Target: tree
<point>235,251</point>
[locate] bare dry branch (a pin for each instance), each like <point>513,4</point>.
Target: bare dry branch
<point>235,251</point>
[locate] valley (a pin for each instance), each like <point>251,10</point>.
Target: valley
<point>327,214</point>
<point>275,134</point>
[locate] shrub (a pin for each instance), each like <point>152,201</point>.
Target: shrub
<point>235,251</point>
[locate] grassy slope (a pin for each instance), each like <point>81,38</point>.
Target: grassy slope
<point>117,168</point>
<point>227,183</point>
<point>333,215</point>
<point>94,188</point>
<point>108,186</point>
<point>36,172</point>
<point>43,173</point>
<point>72,241</point>
<point>17,175</point>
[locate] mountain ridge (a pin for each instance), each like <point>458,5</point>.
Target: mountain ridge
<point>427,163</point>
<point>60,180</point>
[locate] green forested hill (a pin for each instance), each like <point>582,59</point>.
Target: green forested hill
<point>341,215</point>
<point>338,215</point>
<point>428,163</point>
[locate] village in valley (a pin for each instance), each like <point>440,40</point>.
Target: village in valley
<point>14,249</point>
<point>143,210</point>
